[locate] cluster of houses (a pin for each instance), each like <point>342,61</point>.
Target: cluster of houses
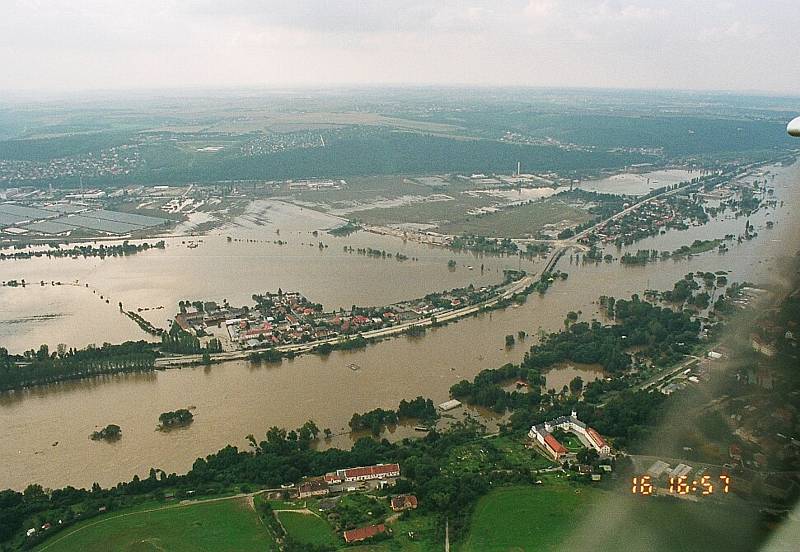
<point>351,479</point>
<point>543,436</point>
<point>316,184</point>
<point>766,345</point>
<point>768,339</point>
<point>638,224</point>
<point>117,160</point>
<point>764,429</point>
<point>277,318</point>
<point>286,318</point>
<point>764,450</point>
<point>398,503</point>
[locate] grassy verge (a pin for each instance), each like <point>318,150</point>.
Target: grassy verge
<point>307,528</point>
<point>517,222</point>
<point>526,518</point>
<point>225,525</point>
<point>562,516</point>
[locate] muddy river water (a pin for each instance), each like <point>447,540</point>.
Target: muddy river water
<point>44,431</point>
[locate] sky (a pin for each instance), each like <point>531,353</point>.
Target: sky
<point>738,45</point>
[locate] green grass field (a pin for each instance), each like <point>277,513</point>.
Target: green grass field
<point>517,222</point>
<point>556,517</point>
<point>453,210</point>
<point>228,525</point>
<point>307,528</point>
<point>572,443</point>
<point>452,215</point>
<point>414,534</point>
<point>525,518</point>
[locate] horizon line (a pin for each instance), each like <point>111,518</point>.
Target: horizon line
<point>196,89</point>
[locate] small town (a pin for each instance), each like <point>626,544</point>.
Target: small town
<point>673,209</point>
<point>287,317</point>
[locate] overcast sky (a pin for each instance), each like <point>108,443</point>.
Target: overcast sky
<point>124,44</point>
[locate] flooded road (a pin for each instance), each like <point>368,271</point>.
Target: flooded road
<point>235,399</point>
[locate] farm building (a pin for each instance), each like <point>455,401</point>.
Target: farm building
<point>364,473</point>
<point>363,533</point>
<point>313,487</point>
<point>404,502</point>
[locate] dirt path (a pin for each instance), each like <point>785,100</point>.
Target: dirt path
<point>304,511</point>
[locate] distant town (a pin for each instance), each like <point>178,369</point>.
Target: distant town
<point>288,318</point>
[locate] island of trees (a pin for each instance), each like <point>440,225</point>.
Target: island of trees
<point>644,256</point>
<point>111,432</point>
<point>345,229</point>
<point>178,418</point>
<point>182,342</point>
<point>661,335</point>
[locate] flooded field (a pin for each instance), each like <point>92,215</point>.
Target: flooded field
<point>214,268</point>
<point>520,195</point>
<point>234,399</point>
<point>637,183</point>
<point>560,376</point>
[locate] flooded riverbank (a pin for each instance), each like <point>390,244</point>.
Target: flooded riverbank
<point>236,398</point>
<point>214,268</point>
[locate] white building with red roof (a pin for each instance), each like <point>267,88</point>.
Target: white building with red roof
<point>588,436</point>
<point>363,473</point>
<point>598,443</point>
<point>551,445</point>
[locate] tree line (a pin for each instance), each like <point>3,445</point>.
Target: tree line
<point>102,251</point>
<point>37,367</point>
<point>180,341</point>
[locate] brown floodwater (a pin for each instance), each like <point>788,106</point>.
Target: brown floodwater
<point>235,399</point>
<point>217,269</point>
<point>561,375</point>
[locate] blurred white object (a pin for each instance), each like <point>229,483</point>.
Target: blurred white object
<point>793,128</point>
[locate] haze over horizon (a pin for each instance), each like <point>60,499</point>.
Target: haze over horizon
<point>63,46</point>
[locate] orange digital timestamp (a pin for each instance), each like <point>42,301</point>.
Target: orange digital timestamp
<point>642,485</point>
<point>704,486</point>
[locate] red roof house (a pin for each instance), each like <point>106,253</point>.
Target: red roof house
<point>363,533</point>
<point>404,502</point>
<point>372,472</point>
